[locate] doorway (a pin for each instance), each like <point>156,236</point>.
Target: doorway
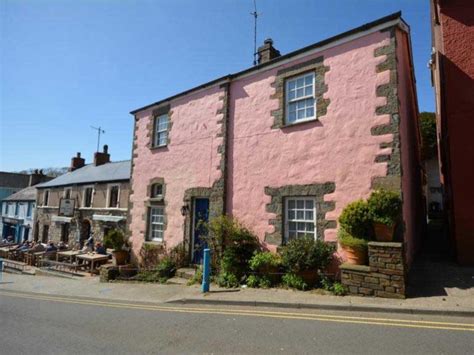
<point>65,233</point>
<point>200,217</point>
<point>85,231</point>
<point>45,236</point>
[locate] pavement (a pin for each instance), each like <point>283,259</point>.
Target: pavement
<point>453,301</point>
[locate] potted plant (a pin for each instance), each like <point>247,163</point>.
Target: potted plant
<point>355,220</point>
<point>384,209</point>
<point>116,240</point>
<point>355,249</point>
<point>305,257</point>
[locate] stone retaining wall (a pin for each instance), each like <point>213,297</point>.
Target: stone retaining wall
<point>384,277</point>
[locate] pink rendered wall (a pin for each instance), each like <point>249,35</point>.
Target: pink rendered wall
<point>411,176</point>
<point>190,160</point>
<point>338,147</point>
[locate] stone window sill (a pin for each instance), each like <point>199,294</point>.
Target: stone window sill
<point>155,243</point>
<point>289,125</point>
<point>158,147</point>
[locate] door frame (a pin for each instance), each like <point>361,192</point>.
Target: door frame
<point>193,224</point>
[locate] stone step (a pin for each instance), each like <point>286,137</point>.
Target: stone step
<point>186,273</point>
<point>177,281</point>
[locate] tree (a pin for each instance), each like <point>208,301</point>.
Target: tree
<point>429,142</point>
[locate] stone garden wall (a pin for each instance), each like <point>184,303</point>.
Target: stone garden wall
<point>384,277</point>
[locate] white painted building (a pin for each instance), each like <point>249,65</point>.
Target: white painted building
<point>17,215</point>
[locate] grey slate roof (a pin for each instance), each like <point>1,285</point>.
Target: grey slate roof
<point>14,179</point>
<point>27,194</point>
<point>113,171</point>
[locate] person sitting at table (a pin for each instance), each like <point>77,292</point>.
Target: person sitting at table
<point>100,249</point>
<point>51,247</point>
<point>37,247</point>
<point>62,246</point>
<point>24,246</point>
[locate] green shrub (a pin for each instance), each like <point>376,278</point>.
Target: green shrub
<point>384,207</point>
<point>339,289</point>
<point>347,240</point>
<point>263,261</point>
<point>355,219</point>
<point>294,281</point>
<point>253,281</point>
<point>336,288</point>
<point>196,279</point>
<point>114,239</point>
<point>166,267</point>
<point>232,247</point>
<point>150,276</point>
<point>429,141</point>
<point>305,253</point>
<point>227,280</point>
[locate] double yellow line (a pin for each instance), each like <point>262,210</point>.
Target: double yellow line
<point>255,313</point>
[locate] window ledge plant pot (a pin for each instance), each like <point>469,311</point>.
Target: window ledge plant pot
<point>355,256</point>
<point>384,232</point>
<point>120,257</point>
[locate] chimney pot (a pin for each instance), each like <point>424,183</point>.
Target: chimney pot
<point>78,155</point>
<point>106,148</point>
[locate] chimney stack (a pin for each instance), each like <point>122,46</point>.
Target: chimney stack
<point>267,52</point>
<point>36,177</point>
<point>77,162</point>
<point>101,158</point>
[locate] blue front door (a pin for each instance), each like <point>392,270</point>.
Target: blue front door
<point>200,217</point>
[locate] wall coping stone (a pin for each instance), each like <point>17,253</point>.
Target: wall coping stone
<point>386,244</point>
<point>361,268</point>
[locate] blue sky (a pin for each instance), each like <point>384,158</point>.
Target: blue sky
<point>68,64</point>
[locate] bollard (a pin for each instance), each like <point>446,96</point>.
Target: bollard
<point>206,270</point>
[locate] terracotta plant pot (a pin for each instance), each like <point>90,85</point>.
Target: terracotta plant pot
<point>311,277</point>
<point>120,257</point>
<point>383,232</point>
<point>355,256</point>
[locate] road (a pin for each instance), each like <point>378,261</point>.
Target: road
<point>37,324</point>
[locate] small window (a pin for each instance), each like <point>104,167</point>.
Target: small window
<point>157,190</point>
<point>161,131</point>
<point>114,191</point>
<point>5,208</point>
<point>46,198</point>
<point>11,208</point>
<point>88,193</point>
<point>156,224</point>
<point>300,102</point>
<point>29,210</point>
<point>17,209</point>
<point>67,192</point>
<point>300,217</point>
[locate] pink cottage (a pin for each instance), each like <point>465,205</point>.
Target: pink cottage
<point>283,146</point>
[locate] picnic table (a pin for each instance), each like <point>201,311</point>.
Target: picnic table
<point>93,259</point>
<point>4,250</point>
<point>32,258</point>
<point>70,255</point>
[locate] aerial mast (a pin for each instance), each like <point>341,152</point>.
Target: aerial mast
<point>99,131</point>
<point>255,16</point>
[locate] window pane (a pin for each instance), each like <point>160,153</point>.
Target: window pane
<point>299,82</point>
<point>309,216</point>
<point>308,91</point>
<point>291,204</point>
<point>292,226</point>
<point>310,112</point>
<point>309,227</point>
<point>291,95</point>
<point>300,92</point>
<point>291,214</point>
<point>300,204</point>
<point>300,215</point>
<point>308,79</point>
<point>291,84</point>
<point>309,204</point>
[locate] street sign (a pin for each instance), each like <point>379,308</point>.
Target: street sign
<point>66,207</point>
